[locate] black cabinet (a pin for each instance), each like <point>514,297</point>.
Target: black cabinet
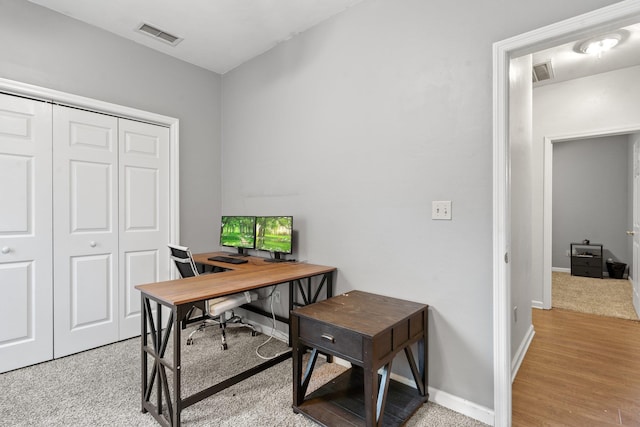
<point>586,259</point>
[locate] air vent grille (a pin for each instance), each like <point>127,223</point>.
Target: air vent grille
<point>159,34</point>
<point>542,72</point>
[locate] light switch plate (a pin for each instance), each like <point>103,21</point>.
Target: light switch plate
<point>441,209</point>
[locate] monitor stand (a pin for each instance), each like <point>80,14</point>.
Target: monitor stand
<point>241,252</point>
<point>276,258</point>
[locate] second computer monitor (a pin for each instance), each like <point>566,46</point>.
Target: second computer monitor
<point>274,234</point>
<point>238,232</point>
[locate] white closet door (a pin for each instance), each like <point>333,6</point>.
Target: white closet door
<point>26,312</point>
<point>85,218</point>
<point>144,215</point>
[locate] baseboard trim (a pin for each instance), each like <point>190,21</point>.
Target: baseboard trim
<point>521,352</point>
<point>561,270</point>
<point>268,330</point>
<point>537,304</point>
<point>462,406</point>
<point>442,398</point>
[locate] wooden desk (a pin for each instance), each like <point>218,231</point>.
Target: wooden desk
<point>367,330</point>
<point>252,261</point>
<point>179,296</point>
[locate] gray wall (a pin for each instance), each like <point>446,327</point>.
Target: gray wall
<point>590,196</point>
<point>355,126</point>
<point>47,49</point>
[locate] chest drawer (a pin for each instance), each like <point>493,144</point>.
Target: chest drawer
<point>586,262</point>
<point>587,271</point>
<point>335,340</point>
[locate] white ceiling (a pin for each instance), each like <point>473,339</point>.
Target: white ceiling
<point>568,63</point>
<point>218,35</point>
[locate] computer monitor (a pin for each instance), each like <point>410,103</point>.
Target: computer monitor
<point>274,234</point>
<point>238,232</point>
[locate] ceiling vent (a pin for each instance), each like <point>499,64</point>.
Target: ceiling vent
<point>542,72</point>
<point>158,34</point>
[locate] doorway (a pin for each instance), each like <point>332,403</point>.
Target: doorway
<point>551,246</point>
<point>612,17</point>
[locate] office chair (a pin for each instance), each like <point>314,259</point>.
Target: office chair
<point>215,309</point>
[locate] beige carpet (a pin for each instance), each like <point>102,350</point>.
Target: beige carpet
<point>101,388</point>
<point>604,297</point>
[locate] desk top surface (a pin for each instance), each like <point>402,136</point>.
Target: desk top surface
<point>239,278</point>
<point>362,312</point>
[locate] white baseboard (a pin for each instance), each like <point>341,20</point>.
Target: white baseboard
<point>561,269</point>
<point>442,398</point>
<point>462,406</point>
<point>521,352</point>
<point>537,304</point>
<point>268,330</point>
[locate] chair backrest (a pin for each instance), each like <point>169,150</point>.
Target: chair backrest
<point>184,260</point>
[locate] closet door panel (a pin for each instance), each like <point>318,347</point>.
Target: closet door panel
<point>15,177</point>
<point>85,230</point>
<point>91,281</point>
<point>140,267</point>
<point>26,334</point>
<point>144,215</point>
<point>91,197</point>
<point>16,309</point>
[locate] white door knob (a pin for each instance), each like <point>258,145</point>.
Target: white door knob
<point>6,250</point>
<point>92,244</point>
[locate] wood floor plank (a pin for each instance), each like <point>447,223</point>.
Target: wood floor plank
<point>580,370</point>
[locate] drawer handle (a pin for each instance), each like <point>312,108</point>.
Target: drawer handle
<point>328,338</point>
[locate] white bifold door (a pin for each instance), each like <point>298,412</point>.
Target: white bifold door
<point>26,286</point>
<point>85,229</point>
<point>84,218</point>
<point>143,172</point>
<point>110,224</point>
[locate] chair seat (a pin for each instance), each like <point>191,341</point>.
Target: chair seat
<point>218,306</point>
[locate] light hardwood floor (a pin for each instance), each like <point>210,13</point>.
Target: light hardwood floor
<point>580,370</point>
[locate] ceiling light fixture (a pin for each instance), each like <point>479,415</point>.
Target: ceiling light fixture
<point>597,45</point>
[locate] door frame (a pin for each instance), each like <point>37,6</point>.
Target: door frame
<point>608,18</point>
<point>13,87</point>
<point>635,213</point>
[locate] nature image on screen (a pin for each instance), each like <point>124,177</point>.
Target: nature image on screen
<point>238,231</point>
<point>273,233</point>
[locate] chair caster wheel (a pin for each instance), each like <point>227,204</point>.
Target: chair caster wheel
<point>189,341</point>
<point>224,346</point>
<point>254,333</point>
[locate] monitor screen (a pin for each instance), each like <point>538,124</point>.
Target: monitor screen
<point>273,233</point>
<point>238,232</point>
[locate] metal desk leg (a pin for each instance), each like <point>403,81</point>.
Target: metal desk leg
<point>143,353</point>
<point>153,328</point>
<point>177,399</point>
<point>291,303</point>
